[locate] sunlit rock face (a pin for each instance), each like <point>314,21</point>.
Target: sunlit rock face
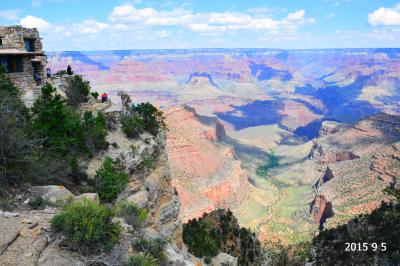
<point>204,171</point>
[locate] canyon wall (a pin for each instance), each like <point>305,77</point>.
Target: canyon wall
<point>204,170</point>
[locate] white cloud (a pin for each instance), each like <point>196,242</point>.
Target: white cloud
<point>385,17</point>
<point>90,26</point>
<point>298,15</point>
<point>154,28</point>
<point>35,22</point>
<point>206,22</point>
<point>10,14</point>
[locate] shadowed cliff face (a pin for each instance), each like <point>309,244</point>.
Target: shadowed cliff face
<point>321,209</point>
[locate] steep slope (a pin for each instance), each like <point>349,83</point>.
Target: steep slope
<point>29,238</point>
<point>205,172</point>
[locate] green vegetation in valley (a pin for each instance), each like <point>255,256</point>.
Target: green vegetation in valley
<point>110,180</point>
<point>272,162</point>
<point>87,226</point>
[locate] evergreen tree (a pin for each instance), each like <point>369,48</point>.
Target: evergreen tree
<point>57,124</point>
<point>15,145</point>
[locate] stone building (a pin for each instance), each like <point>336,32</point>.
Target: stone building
<point>22,56</point>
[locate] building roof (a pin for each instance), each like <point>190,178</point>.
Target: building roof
<point>14,51</point>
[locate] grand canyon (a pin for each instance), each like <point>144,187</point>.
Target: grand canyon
<point>327,119</point>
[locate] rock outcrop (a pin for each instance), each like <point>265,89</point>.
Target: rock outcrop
<point>330,127</point>
<point>321,209</point>
<point>148,188</point>
<point>323,155</point>
<point>204,169</point>
<point>28,237</point>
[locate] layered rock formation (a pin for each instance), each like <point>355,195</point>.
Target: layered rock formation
<point>330,127</point>
<point>361,161</point>
<point>204,170</point>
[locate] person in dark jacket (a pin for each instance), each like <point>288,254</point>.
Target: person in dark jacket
<point>48,72</point>
<point>37,78</point>
<point>69,70</point>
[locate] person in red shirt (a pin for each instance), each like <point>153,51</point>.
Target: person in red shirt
<point>104,97</point>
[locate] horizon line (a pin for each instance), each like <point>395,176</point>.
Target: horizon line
<point>210,49</point>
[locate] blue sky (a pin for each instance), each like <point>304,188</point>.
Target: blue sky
<point>151,24</point>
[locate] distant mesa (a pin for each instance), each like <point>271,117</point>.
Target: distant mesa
<point>202,74</point>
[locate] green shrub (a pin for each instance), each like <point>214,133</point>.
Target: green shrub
<point>209,235</point>
<point>77,91</point>
<point>95,94</point>
<point>132,214</point>
<point>143,116</point>
<point>87,226</point>
<point>149,162</point>
<point>141,260</point>
<point>110,180</point>
<point>153,118</point>
<point>153,247</point>
<point>40,203</point>
<point>132,125</point>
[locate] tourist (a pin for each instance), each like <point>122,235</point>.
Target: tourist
<point>48,72</point>
<point>104,97</point>
<point>69,70</point>
<point>37,78</point>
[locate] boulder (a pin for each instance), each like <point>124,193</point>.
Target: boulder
<point>168,211</point>
<point>94,197</point>
<point>224,259</point>
<point>178,257</point>
<point>140,198</point>
<point>53,193</point>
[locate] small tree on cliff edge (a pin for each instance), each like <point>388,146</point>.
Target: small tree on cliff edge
<point>137,118</point>
<point>77,91</point>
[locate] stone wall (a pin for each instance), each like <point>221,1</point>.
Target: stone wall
<point>13,37</point>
